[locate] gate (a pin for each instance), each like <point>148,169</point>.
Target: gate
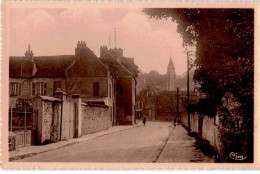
<point>69,120</point>
<point>23,122</point>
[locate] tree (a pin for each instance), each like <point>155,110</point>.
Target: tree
<point>224,40</point>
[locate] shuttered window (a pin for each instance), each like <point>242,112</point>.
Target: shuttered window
<point>39,88</point>
<point>19,89</point>
<point>109,91</point>
<point>45,89</point>
<point>33,89</point>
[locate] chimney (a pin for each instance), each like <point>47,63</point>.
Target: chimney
<point>81,47</point>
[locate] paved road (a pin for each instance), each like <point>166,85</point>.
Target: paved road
<point>140,144</point>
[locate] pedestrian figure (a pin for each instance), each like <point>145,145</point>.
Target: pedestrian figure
<point>175,120</point>
<point>144,121</point>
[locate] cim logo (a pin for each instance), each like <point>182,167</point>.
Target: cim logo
<point>236,156</point>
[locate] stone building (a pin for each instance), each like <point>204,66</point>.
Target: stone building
<point>83,74</point>
<point>125,82</point>
<point>171,77</point>
<point>164,105</point>
<point>83,77</point>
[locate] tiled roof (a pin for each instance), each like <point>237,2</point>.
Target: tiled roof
<point>115,60</point>
<point>47,66</point>
<point>47,98</point>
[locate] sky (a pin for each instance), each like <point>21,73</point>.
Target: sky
<point>149,41</point>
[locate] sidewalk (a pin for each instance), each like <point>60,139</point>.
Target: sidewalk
<point>180,148</point>
<point>28,151</point>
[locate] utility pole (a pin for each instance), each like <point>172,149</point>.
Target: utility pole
<point>178,105</point>
<point>115,36</point>
<point>188,91</point>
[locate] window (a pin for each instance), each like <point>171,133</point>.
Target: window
<point>109,91</point>
<point>121,90</point>
<point>111,113</point>
<point>57,86</point>
<point>33,89</point>
<point>39,88</point>
<point>96,89</point>
<point>114,90</point>
<point>15,89</point>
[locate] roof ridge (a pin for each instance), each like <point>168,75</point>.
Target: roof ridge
<point>119,64</point>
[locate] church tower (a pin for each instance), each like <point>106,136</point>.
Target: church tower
<point>171,77</point>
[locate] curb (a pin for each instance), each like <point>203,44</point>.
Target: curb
<point>69,144</point>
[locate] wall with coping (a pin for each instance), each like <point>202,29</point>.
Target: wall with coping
<point>49,115</point>
<point>94,119</point>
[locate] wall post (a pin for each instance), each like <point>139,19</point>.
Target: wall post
<point>78,115</point>
<point>63,96</point>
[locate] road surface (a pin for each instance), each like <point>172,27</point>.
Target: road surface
<point>155,142</point>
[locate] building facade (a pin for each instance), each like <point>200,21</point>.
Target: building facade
<point>91,91</point>
<point>124,71</point>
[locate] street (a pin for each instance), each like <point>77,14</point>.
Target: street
<point>155,142</point>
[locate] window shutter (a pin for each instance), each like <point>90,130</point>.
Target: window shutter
<point>19,89</point>
<point>10,89</point>
<point>33,89</point>
<point>45,89</point>
<point>109,91</point>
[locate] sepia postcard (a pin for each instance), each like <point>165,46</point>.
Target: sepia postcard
<point>130,85</point>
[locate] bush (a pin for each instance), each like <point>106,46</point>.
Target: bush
<point>204,146</point>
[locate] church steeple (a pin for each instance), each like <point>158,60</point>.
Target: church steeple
<point>171,77</point>
<point>29,54</point>
<point>170,63</point>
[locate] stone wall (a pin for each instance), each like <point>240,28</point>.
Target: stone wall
<point>194,122</point>
<point>48,119</point>
<point>184,119</point>
<point>51,122</point>
<point>94,119</point>
<point>165,116</point>
<point>208,129</point>
<point>84,85</point>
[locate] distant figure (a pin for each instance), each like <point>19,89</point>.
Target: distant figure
<point>144,121</point>
<point>175,120</point>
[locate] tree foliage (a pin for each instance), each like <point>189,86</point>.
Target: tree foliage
<point>224,40</point>
<point>224,49</point>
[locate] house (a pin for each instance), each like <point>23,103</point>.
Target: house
<point>125,71</point>
<point>77,89</point>
<point>83,74</point>
<point>164,105</point>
